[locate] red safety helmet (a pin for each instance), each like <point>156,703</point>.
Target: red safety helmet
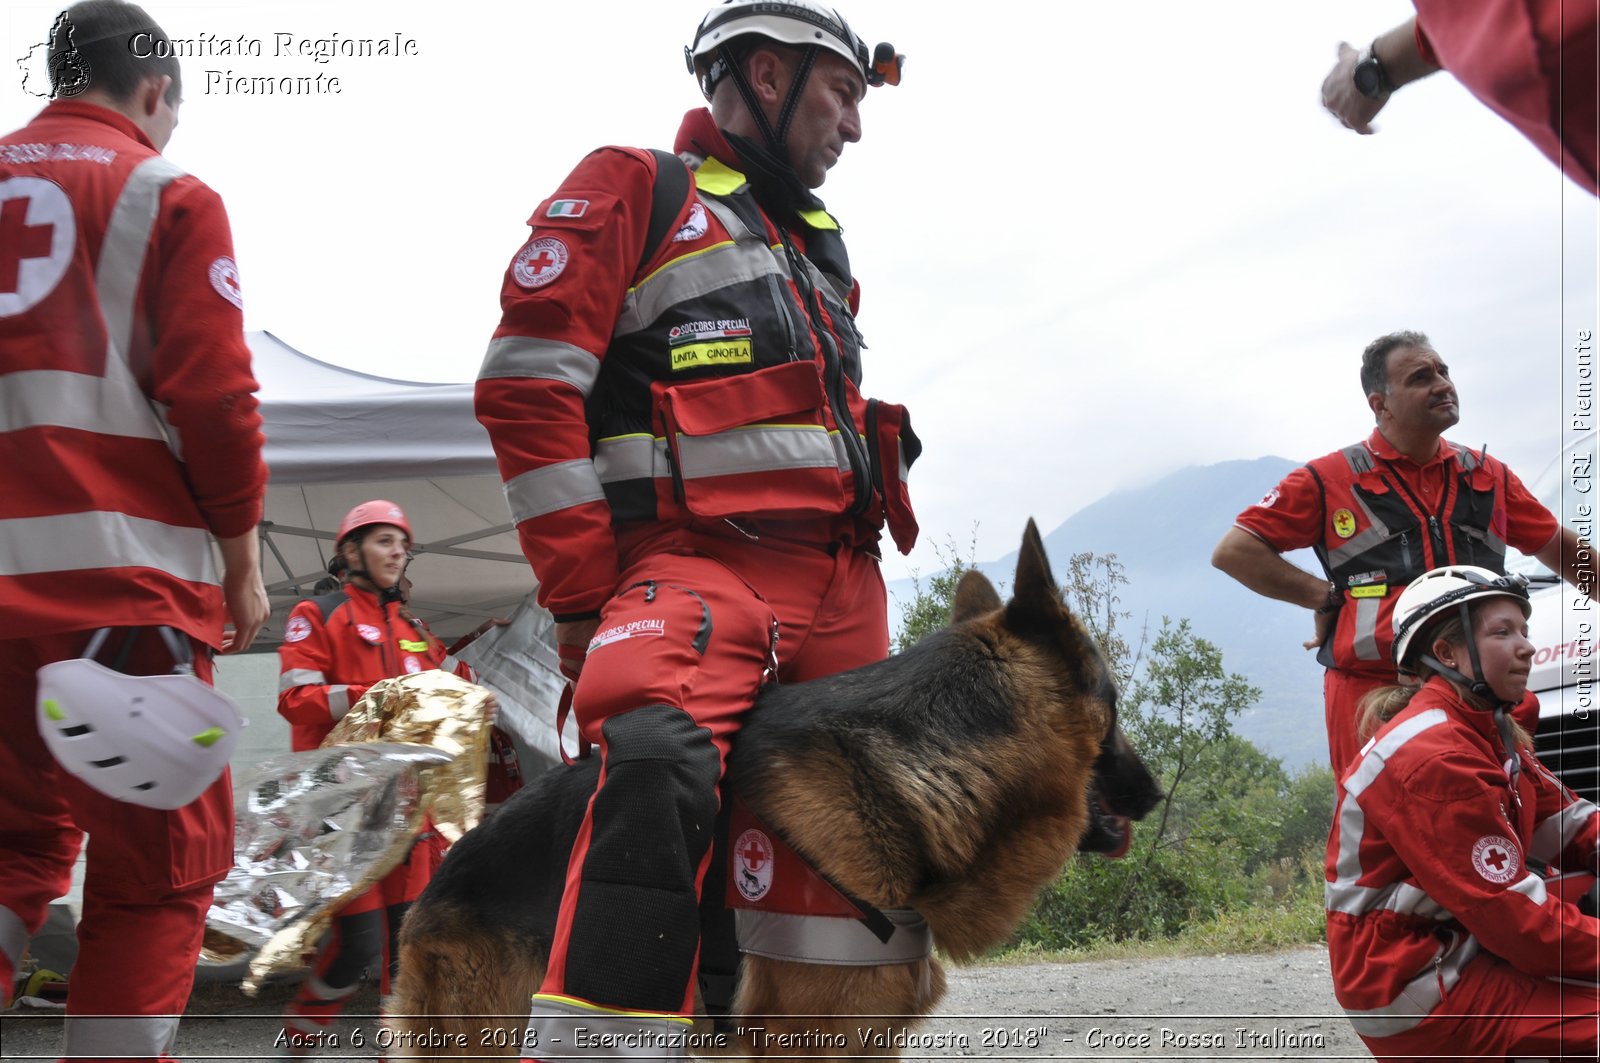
<point>367,514</point>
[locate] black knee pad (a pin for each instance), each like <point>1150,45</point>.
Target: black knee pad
<point>360,942</point>
<point>636,927</point>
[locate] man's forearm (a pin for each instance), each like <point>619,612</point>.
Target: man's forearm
<point>1261,569</point>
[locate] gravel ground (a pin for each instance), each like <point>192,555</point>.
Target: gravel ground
<point>1271,1006</point>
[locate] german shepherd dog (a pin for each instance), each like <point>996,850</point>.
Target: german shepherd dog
<point>956,779</point>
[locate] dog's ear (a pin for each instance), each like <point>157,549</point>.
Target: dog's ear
<point>1034,594</point>
<point>975,596</point>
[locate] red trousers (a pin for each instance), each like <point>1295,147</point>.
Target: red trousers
<point>1497,1012</point>
<point>697,625</point>
<point>1341,698</point>
<point>149,873</point>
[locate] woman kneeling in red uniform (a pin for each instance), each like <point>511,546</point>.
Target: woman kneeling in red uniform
<point>1447,937</point>
<point>334,647</point>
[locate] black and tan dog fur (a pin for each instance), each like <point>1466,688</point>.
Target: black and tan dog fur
<point>956,778</point>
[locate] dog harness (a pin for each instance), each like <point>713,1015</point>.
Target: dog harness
<point>786,910</point>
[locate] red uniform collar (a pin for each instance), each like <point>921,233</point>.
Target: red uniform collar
<point>1439,693</point>
<point>1383,449</point>
<point>95,113</point>
<point>699,135</point>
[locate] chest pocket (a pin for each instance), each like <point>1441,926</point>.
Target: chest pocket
<point>1472,521</point>
<point>1397,545</point>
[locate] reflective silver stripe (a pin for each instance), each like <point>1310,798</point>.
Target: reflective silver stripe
<point>1532,887</point>
<point>571,1028</point>
<point>757,448</point>
<point>48,398</point>
<point>1419,997</point>
<point>695,274</point>
<point>1377,532</point>
<point>1366,629</point>
<point>832,939</point>
<point>122,252</point>
<point>690,277</point>
<point>632,457</point>
<point>523,356</point>
<point>112,403</point>
<point>1558,831</point>
<point>120,1036</point>
<point>300,677</point>
<point>1359,458</point>
<point>1343,894</point>
<point>338,701</point>
<point>13,938</point>
<point>77,541</point>
<point>554,487</point>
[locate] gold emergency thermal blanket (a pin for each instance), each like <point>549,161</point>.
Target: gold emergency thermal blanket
<point>315,829</point>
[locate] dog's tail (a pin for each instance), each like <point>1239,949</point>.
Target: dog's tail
<point>463,987</point>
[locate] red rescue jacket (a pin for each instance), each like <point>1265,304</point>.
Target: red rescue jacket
<point>1428,863</point>
<point>335,647</point>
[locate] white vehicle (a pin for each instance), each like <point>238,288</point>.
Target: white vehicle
<point>1564,627</point>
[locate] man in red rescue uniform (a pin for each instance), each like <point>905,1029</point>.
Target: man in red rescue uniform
<point>1381,512</point>
<point>696,478</point>
<point>334,648</point>
<point>129,438</point>
<point>1532,62</point>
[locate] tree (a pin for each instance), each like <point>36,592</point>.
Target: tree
<point>929,610</point>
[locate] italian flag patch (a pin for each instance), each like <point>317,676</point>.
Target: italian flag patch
<point>567,208</point>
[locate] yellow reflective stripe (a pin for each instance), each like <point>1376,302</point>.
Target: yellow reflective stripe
<point>717,179</point>
<point>596,1009</point>
<point>819,219</point>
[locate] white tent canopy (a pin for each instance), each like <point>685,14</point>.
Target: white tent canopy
<point>336,437</point>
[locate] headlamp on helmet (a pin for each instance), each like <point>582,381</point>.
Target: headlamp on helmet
<point>800,23</point>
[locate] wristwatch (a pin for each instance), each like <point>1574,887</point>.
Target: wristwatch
<point>1333,601</point>
<point>1370,78</point>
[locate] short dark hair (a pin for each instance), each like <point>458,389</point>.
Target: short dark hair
<point>113,46</point>
<point>1375,359</point>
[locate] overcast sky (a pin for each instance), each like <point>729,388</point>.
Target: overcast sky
<point>1097,242</point>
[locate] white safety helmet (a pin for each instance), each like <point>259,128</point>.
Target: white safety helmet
<point>796,22</point>
<point>1442,588</point>
<point>157,740</point>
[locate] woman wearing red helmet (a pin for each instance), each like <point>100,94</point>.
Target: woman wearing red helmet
<point>334,647</point>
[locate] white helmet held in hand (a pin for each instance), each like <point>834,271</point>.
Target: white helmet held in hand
<point>157,740</point>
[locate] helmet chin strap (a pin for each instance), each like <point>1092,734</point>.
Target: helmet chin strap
<point>391,593</point>
<point>774,137</point>
<point>1480,690</point>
